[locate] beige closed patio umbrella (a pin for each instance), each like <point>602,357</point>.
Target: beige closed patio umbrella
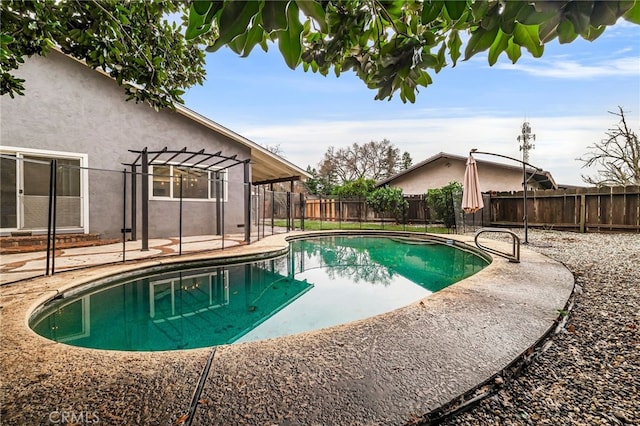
<point>471,195</point>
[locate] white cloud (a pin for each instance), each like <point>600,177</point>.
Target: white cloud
<point>566,69</point>
<point>559,140</point>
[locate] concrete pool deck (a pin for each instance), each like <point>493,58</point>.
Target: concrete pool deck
<point>389,369</point>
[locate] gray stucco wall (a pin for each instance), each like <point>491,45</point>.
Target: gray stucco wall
<point>70,107</point>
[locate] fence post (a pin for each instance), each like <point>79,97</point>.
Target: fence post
<point>180,217</point>
<point>583,213</point>
<point>303,211</point>
<point>134,203</point>
<point>264,207</point>
<point>50,216</point>
<point>273,208</point>
<point>124,214</point>
<point>55,216</point>
<point>288,211</point>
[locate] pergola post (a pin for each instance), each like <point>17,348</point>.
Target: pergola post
<point>218,190</point>
<point>134,202</point>
<point>247,202</point>
<point>145,200</point>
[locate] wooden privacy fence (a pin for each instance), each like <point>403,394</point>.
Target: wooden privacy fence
<point>357,210</point>
<point>581,209</point>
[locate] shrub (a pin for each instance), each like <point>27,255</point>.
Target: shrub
<point>389,200</point>
<point>440,201</point>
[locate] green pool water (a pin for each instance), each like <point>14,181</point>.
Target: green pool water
<point>321,282</point>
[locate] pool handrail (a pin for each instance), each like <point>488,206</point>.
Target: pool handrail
<point>513,257</point>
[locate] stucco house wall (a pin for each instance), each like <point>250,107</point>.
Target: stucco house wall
<point>444,169</point>
<point>69,107</point>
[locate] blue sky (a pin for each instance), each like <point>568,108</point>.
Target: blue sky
<point>565,96</point>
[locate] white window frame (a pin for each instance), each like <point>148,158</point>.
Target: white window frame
<point>20,153</point>
<point>224,174</point>
<point>175,288</point>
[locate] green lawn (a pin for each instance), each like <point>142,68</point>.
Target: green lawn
<point>316,225</point>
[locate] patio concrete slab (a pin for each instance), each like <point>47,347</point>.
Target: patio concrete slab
<point>395,367</point>
<point>388,369</point>
<point>21,266</point>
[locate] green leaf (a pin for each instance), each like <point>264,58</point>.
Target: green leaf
<point>314,10</point>
<point>431,10</point>
<point>513,51</point>
<point>479,9</point>
<point>604,13</point>
<point>429,61</point>
<point>234,20</point>
<point>489,22</point>
<point>254,36</point>
<point>579,13</point>
<point>274,15</point>
<point>633,14</point>
<point>499,45</point>
<point>511,9</point>
<point>289,40</point>
<point>595,32</point>
<point>424,79</point>
<point>454,43</point>
<point>409,93</point>
<point>527,37</point>
<point>237,44</point>
<point>441,58</point>
<point>201,7</point>
<point>201,16</point>
<point>528,15</point>
<point>548,30</point>
<point>566,33</point>
<point>480,40</point>
<point>455,8</point>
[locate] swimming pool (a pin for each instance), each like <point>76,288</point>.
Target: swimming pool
<point>320,282</point>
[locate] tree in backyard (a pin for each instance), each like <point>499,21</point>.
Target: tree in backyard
<point>372,160</point>
<point>441,202</point>
<point>275,149</point>
<point>392,46</point>
<point>388,200</point>
<point>132,41</point>
<point>360,187</point>
<point>406,161</point>
<point>317,184</point>
<point>617,156</point>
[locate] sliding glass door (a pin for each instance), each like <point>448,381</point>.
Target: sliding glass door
<point>25,192</point>
<point>8,192</point>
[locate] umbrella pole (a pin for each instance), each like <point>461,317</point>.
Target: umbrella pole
<point>524,199</point>
<point>524,186</point>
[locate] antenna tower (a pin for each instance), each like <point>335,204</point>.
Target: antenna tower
<point>525,137</point>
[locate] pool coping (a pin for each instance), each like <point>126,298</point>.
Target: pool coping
<point>392,368</point>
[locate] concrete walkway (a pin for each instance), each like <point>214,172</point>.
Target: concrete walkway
<point>21,266</point>
<point>388,369</point>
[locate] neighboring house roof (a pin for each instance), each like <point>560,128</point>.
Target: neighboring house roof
<point>265,165</point>
<point>544,178</point>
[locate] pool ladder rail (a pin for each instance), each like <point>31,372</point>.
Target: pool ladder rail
<point>513,257</point>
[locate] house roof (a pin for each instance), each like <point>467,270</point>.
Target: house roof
<point>544,178</point>
<point>265,165</point>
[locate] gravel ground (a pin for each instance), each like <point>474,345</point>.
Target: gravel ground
<point>590,374</point>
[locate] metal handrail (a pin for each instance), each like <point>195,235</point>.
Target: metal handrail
<point>514,256</point>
